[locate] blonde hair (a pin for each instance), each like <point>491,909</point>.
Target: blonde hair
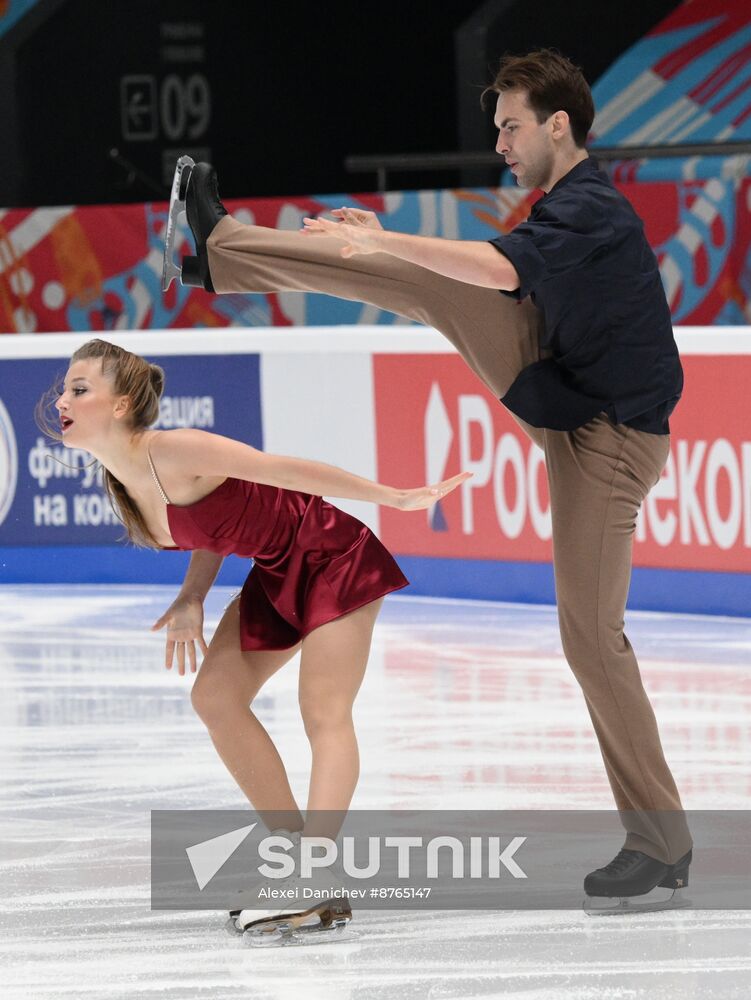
<point>143,384</point>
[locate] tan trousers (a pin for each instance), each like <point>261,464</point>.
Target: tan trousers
<point>598,476</point>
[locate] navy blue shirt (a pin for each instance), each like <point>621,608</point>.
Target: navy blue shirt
<point>583,258</point>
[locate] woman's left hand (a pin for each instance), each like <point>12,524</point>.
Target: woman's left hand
<point>425,496</point>
<point>184,621</point>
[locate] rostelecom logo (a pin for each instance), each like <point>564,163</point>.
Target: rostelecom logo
<point>8,462</point>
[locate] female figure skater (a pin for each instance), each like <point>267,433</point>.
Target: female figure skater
<point>317,584</point>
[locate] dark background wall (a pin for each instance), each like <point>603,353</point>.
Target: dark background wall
<point>276,95</point>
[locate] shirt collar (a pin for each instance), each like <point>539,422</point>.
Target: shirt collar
<point>588,166</point>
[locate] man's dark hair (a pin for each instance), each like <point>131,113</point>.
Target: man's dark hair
<point>552,83</point>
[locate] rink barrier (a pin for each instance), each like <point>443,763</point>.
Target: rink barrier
<point>398,404</point>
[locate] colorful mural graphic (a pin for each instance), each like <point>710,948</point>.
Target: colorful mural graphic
<point>687,81</point>
<point>99,268</point>
<point>12,11</point>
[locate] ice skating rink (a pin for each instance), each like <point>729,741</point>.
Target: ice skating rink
<point>465,705</point>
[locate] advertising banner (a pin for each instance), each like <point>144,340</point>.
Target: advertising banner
<point>434,419</point>
<point>51,495</point>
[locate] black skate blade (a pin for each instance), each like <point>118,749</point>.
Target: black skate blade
<point>651,902</point>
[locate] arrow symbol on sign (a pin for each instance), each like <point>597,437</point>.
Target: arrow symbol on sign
<point>438,438</point>
<point>136,110</point>
<point>208,857</point>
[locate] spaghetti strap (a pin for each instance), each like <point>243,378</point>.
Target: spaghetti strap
<point>156,478</point>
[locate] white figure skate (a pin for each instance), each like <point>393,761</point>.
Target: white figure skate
<point>325,922</point>
<point>320,917</point>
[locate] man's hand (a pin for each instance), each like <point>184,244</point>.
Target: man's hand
<point>356,228</point>
<point>358,217</point>
<point>184,621</point>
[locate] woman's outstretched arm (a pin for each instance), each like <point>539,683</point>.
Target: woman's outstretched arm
<point>201,453</point>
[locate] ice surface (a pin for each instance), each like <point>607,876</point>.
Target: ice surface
<point>466,704</point>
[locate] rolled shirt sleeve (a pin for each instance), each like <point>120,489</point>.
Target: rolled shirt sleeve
<point>551,242</point>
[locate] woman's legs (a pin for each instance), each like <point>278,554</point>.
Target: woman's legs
<point>334,657</point>
<point>228,681</point>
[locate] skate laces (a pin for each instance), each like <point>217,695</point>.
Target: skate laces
<point>620,862</point>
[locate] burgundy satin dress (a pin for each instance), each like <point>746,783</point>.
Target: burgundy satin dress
<point>312,561</point>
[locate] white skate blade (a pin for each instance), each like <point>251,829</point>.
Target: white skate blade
<point>325,922</point>
<point>283,935</point>
<point>171,270</point>
<point>651,902</point>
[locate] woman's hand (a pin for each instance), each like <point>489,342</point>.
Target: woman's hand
<point>355,227</point>
<point>426,496</point>
<point>184,621</point>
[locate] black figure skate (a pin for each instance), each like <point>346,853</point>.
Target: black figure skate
<point>194,195</point>
<point>632,883</point>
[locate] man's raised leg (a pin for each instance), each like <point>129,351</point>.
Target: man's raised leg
<point>495,335</point>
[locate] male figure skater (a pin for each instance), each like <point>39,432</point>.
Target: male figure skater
<point>578,346</point>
